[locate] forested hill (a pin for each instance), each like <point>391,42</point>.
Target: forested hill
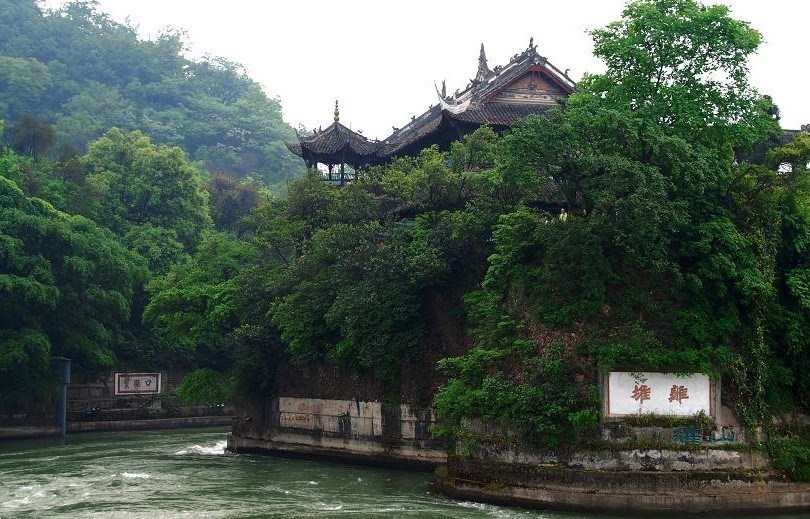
<point>68,76</point>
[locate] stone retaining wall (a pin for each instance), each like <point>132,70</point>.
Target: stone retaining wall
<point>370,432</point>
<point>646,460</point>
<point>621,492</point>
<point>612,480</point>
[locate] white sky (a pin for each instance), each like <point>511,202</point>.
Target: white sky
<point>381,58</point>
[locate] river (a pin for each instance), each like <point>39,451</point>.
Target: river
<point>188,473</point>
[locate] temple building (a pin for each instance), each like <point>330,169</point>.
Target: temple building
<point>497,97</point>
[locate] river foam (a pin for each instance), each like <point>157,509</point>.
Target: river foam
<point>135,475</point>
<point>215,450</point>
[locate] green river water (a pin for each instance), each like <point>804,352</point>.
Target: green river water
<point>188,473</point>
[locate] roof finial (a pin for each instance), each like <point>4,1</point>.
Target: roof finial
<point>337,112</point>
<point>532,46</point>
<point>483,70</point>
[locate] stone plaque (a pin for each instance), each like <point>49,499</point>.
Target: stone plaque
<point>137,383</point>
<point>632,393</point>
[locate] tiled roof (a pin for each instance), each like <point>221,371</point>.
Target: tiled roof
<point>337,138</point>
<point>414,131</point>
<point>294,147</point>
<point>474,105</point>
<point>499,114</point>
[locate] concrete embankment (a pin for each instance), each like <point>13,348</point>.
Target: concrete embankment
<point>348,430</point>
<point>685,483</point>
<point>616,480</point>
<point>24,432</point>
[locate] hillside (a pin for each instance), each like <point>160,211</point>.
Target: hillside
<point>68,76</point>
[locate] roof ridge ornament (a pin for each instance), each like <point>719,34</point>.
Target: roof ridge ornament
<point>484,74</point>
<point>337,112</point>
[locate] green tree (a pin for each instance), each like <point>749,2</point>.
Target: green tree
<point>197,302</point>
<point>140,183</point>
<point>23,83</point>
<point>204,386</point>
<point>90,113</point>
<point>232,199</point>
<point>667,258</point>
<point>32,137</point>
<point>680,64</point>
<point>55,264</point>
<point>78,69</point>
<point>159,246</point>
<point>790,324</point>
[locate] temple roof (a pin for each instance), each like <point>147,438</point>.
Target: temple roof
<point>335,145</point>
<point>527,85</point>
<point>418,128</point>
<point>479,103</point>
<point>335,138</point>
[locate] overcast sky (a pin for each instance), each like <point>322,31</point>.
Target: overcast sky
<point>381,59</point>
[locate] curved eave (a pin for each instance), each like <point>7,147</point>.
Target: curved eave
<point>499,114</point>
<point>294,147</point>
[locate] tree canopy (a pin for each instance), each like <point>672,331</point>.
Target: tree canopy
<point>139,184</point>
<point>680,249</point>
<point>55,264</point>
<point>679,63</point>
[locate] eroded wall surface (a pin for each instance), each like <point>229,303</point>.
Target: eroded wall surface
<point>349,429</point>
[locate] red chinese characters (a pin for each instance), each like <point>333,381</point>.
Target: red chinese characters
<point>678,393</point>
<point>641,393</point>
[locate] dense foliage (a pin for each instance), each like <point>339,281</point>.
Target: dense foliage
<point>66,287</point>
<point>106,143</point>
<point>79,242</point>
<point>197,300</point>
<point>204,386</point>
<point>68,76</point>
<point>670,258</point>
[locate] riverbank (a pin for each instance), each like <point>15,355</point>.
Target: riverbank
<point>26,432</point>
<point>670,492</point>
<point>718,482</point>
<point>717,478</point>
<point>355,452</point>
